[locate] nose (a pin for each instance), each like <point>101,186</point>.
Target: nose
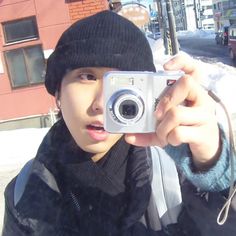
<point>97,105</point>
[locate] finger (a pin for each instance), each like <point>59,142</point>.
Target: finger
<point>184,90</point>
<point>185,129</point>
<point>143,140</point>
<point>203,141</point>
<point>185,63</point>
<point>183,116</point>
<point>186,134</point>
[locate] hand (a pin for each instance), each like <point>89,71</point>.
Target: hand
<point>185,114</point>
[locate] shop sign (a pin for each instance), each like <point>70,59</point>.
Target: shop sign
<point>137,14</point>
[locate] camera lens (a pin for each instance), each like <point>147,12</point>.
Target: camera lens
<point>128,109</point>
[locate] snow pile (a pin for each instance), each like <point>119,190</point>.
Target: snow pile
<point>158,50</point>
<point>222,80</point>
<point>18,146</point>
<point>199,33</point>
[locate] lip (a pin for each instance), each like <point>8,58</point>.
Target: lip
<point>96,131</point>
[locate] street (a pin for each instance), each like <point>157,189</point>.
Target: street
<point>205,49</point>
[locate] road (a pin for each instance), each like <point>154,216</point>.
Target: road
<point>205,49</point>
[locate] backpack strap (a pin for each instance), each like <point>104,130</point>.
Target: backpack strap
<point>21,181</point>
<point>33,167</point>
<point>165,186</point>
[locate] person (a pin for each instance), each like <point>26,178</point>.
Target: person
<point>115,5</point>
<point>86,181</point>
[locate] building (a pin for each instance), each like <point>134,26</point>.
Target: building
<point>224,12</point>
<point>180,14</point>
<point>191,16</point>
<point>199,14</point>
<point>206,14</point>
<point>29,31</point>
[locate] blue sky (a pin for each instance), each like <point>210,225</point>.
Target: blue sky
<point>144,2</point>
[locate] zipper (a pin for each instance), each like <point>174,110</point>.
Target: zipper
<point>75,201</point>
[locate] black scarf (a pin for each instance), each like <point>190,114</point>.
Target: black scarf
<point>108,197</point>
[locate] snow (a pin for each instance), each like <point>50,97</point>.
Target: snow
<point>199,33</point>
<point>19,146</point>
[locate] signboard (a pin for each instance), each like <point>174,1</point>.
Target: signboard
<point>137,14</point>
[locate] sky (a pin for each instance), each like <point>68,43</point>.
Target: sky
<point>144,2</point>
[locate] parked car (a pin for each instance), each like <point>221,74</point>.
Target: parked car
<point>153,26</point>
<point>232,42</point>
<point>156,35</point>
<point>222,36</point>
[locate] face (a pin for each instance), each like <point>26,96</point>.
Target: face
<point>82,109</point>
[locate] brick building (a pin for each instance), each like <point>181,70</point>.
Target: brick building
<point>29,30</point>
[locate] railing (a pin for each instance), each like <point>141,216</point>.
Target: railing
<point>45,120</point>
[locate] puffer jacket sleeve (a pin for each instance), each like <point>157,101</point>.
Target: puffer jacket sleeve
<point>216,179</point>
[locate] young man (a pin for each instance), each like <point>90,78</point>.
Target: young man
<point>86,181</point>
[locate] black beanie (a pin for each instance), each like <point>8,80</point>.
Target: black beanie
<point>101,40</point>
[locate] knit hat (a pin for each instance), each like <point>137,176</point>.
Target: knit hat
<point>101,40</point>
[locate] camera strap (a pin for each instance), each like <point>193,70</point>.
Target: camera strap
<point>223,215</point>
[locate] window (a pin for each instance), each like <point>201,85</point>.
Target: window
<point>19,30</point>
<point>26,66</point>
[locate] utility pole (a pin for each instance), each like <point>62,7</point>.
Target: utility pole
<point>162,23</point>
<point>167,22</point>
<point>195,13</point>
<point>172,28</point>
<point>160,16</point>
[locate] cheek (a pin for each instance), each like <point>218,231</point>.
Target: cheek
<point>72,96</point>
<point>71,105</point>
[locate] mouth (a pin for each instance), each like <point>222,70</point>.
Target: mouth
<point>96,132</point>
<point>96,127</point>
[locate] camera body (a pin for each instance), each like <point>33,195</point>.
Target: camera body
<point>131,97</point>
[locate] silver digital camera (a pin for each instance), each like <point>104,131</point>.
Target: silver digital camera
<point>130,99</point>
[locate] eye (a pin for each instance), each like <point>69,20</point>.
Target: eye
<point>88,77</point>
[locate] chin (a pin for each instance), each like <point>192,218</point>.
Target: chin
<point>97,148</point>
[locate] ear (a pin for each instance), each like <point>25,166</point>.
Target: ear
<point>57,99</point>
